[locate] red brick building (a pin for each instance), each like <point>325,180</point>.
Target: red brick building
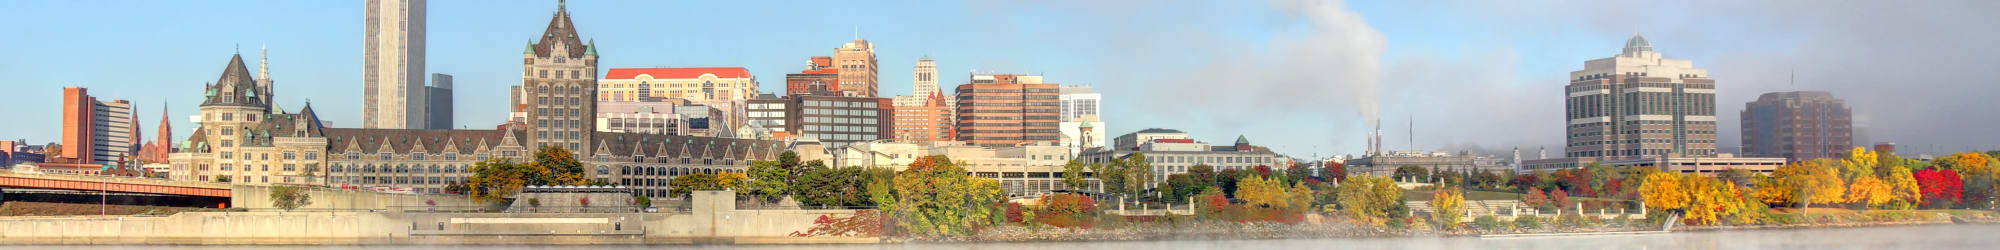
<point>1007,110</point>
<point>819,78</point>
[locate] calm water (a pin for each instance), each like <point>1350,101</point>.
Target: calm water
<point>1914,237</point>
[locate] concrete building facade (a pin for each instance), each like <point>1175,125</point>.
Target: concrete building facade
<point>1799,126</point>
<point>833,120</point>
<point>97,131</point>
<point>393,64</point>
<point>1026,170</point>
<point>656,118</point>
<point>929,122</point>
<point>1081,127</point>
<point>1004,110</point>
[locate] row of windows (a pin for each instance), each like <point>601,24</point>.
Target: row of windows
<point>841,104</point>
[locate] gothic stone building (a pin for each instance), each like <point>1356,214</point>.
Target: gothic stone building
<point>246,140</point>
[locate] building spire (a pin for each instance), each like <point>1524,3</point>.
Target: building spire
<point>264,64</point>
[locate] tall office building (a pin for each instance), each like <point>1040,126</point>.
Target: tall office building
<point>437,98</point>
<point>1081,128</point>
<point>559,82</point>
<point>1008,110</point>
<point>393,81</point>
<point>856,61</point>
<point>925,83</point>
<point>1799,126</point>
<point>834,120</point>
<point>1639,103</point>
<point>96,131</point>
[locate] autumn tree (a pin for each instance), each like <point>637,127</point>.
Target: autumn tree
<point>1137,173</point>
<point>1535,198</point>
<point>1257,192</point>
<point>1939,187</point>
<point>290,197</point>
<point>1710,200</point>
<point>1903,186</point>
<point>1811,182</point>
<point>686,184</point>
<point>1965,163</point>
<point>1368,198</point>
<point>1859,162</point>
<point>1449,206</point>
<point>1300,197</point>
<point>1869,191</point>
<point>495,179</point>
<point>937,197</point>
<point>1664,191</point>
<point>1333,172</point>
<point>1560,198</point>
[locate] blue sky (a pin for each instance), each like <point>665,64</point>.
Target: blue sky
<point>1293,75</point>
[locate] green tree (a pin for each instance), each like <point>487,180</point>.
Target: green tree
<point>936,197</point>
<point>1138,172</point>
<point>769,180</point>
<point>498,178</point>
<point>1073,175</point>
<point>1111,175</point>
<point>683,185</point>
<point>290,197</point>
<point>1412,172</point>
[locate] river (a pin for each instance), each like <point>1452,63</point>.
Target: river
<point>1908,237</point>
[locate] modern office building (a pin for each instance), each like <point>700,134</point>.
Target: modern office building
<point>1639,103</point>
<point>834,121</point>
<point>818,78</point>
<point>437,107</point>
<point>1172,152</point>
<point>96,131</point>
<point>856,61</point>
<point>1639,108</point>
<point>1004,110</point>
<point>1799,126</point>
<point>393,64</point>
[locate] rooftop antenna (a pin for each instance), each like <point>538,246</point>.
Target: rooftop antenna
<point>857,32</point>
<point>1413,133</point>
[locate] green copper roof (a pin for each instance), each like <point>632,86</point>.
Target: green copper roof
<point>591,49</point>
<point>530,49</point>
<point>1241,140</point>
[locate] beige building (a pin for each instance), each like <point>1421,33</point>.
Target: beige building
<point>722,88</point>
<point>1639,103</point>
<point>1023,171</point>
<point>924,84</point>
<point>559,86</point>
<point>856,61</point>
<point>393,80</point>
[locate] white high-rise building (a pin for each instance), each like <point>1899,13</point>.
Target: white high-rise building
<point>394,95</point>
<point>1080,127</point>
<point>1639,103</point>
<point>925,79</point>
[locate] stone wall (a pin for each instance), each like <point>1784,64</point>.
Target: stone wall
<point>259,198</point>
<point>714,219</point>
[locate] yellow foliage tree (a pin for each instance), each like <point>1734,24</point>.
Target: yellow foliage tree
<point>1903,186</point>
<point>1710,200</point>
<point>1449,206</point>
<point>1663,191</point>
<point>1811,182</point>
<point>1966,164</point>
<point>1870,191</point>
<point>1258,192</point>
<point>1300,197</point>
<point>1859,162</point>
<point>1770,192</point>
<point>732,181</point>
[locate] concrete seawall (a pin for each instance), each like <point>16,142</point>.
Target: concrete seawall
<point>714,220</point>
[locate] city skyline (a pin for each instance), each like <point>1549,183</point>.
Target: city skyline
<point>1381,62</point>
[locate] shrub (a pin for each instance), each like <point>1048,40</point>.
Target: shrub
<point>1527,222</point>
<point>1487,222</point>
<point>1068,210</point>
<point>1572,220</point>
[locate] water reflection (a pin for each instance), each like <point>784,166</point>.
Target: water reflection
<point>1912,237</point>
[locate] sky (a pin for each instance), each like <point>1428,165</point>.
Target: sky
<point>1306,78</point>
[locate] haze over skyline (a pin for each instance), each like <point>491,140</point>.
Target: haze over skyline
<point>1292,75</point>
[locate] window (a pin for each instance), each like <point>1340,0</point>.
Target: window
<point>290,167</point>
<point>384,156</point>
<point>416,156</point>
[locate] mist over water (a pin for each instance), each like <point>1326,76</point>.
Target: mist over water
<point>1911,237</point>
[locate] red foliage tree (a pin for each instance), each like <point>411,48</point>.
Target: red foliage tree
<point>1067,210</point>
<point>1263,171</point>
<point>1561,198</point>
<point>1333,171</point>
<point>1525,181</point>
<point>1535,198</point>
<point>1940,185</point>
<point>1014,212</point>
<point>1214,203</point>
<point>1578,182</point>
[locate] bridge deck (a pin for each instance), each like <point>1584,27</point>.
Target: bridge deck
<point>112,184</point>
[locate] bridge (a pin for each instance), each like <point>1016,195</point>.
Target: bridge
<point>109,184</point>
